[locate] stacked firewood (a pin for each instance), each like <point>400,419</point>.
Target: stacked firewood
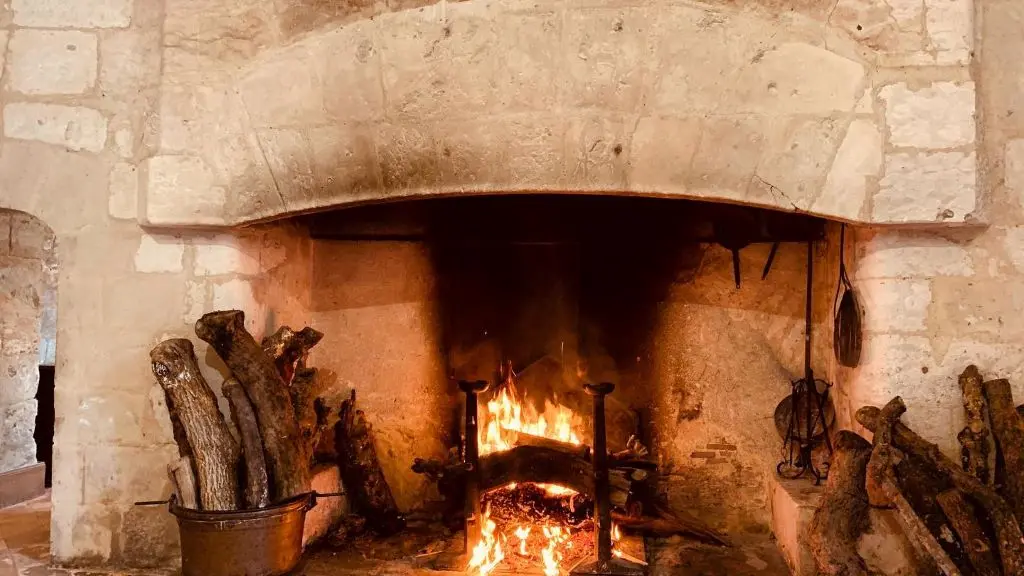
<point>272,396</point>
<point>960,517</point>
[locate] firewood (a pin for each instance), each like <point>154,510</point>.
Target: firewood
<point>214,451</point>
<point>1009,540</point>
<point>365,486</point>
<point>664,523</point>
<point>287,461</point>
<point>916,530</point>
<point>973,438</point>
<point>1009,435</point>
<point>310,410</point>
<point>964,520</point>
<point>524,439</point>
<point>257,489</point>
<point>843,514</point>
<point>289,349</point>
<point>184,480</point>
<point>882,457</point>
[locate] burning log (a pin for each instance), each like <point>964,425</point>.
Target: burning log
<point>257,488</point>
<point>1009,540</point>
<point>964,519</point>
<point>214,451</point>
<point>367,489</point>
<point>843,515</point>
<point>1006,426</point>
<point>287,460</point>
<point>289,349</point>
<point>544,465</point>
<point>974,437</point>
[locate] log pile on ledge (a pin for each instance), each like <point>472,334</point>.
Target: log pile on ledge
<point>279,418</point>
<point>961,518</point>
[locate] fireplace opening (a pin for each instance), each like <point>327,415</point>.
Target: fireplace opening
<point>692,313</point>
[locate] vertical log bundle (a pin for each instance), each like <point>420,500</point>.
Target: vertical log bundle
<point>289,349</point>
<point>843,515</point>
<point>257,489</point>
<point>1006,426</point>
<point>287,461</point>
<point>973,438</point>
<point>964,520</point>
<point>215,454</point>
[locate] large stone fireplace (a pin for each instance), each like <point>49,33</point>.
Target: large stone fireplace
<point>344,165</point>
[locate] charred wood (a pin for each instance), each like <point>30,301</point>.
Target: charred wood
<point>365,486</point>
<point>214,451</point>
<point>843,515</point>
<point>1009,435</point>
<point>256,493</point>
<point>973,438</point>
<point>964,520</point>
<point>1009,540</point>
<point>311,411</point>
<point>287,461</point>
<point>289,349</point>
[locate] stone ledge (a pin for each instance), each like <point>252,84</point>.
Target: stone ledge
<point>22,485</point>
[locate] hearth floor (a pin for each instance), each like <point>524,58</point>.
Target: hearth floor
<point>25,551</point>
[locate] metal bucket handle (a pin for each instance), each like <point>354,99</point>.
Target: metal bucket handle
<point>311,498</point>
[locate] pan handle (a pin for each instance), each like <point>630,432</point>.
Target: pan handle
<point>314,495</point>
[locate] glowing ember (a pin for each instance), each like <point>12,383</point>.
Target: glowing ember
<point>523,532</point>
<point>550,554</point>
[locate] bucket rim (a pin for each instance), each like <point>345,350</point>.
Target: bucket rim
<point>300,503</point>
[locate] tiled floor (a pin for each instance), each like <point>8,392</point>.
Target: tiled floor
<point>25,550</point>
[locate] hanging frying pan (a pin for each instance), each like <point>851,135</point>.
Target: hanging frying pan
<point>847,337</point>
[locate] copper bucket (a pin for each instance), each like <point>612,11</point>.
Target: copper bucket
<point>265,542</point>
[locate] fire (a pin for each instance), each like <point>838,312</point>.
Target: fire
<point>550,554</point>
<point>487,553</point>
<point>508,415</point>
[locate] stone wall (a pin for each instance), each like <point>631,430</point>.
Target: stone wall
<point>27,275</point>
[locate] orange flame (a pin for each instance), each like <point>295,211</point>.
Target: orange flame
<point>507,414</point>
<point>487,553</point>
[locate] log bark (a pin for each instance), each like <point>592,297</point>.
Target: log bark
<point>973,438</point>
<point>310,411</point>
<point>184,480</point>
<point>964,519</point>
<point>843,515</point>
<point>214,451</point>
<point>365,486</point>
<point>256,493</point>
<point>1009,540</point>
<point>287,461</point>
<point>289,349</point>
<point>917,531</point>
<point>1009,435</point>
<point>540,464</point>
<point>882,455</point>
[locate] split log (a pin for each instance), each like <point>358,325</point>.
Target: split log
<point>974,437</point>
<point>184,480</point>
<point>1009,435</point>
<point>287,461</point>
<point>214,451</point>
<point>310,411</point>
<point>289,349</point>
<point>1009,540</point>
<point>843,515</point>
<point>365,486</point>
<point>257,489</point>
<point>964,520</point>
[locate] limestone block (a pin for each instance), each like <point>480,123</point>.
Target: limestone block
<point>408,156</point>
<point>130,63</point>
<point>124,140</point>
<point>1013,241</point>
<point>19,378</point>
<point>181,189</point>
<point>290,160</point>
<point>349,69</point>
<point>282,91</point>
<point>76,128</point>
<point>727,155</point>
<point>148,538</point>
<point>31,237</point>
<point>856,167</point>
<point>597,150</point>
<point>52,62</point>
<point>527,68</point>
<point>118,474</point>
<point>18,447</point>
<point>1014,163</point>
<point>530,150</point>
<point>889,26</point>
<point>344,159</point>
<point>72,13</point>
<point>238,294</point>
<point>159,254</point>
<point>891,364</point>
<point>910,255</point>
<point>123,200</point>
<point>797,155</point>
<point>605,57</point>
<point>126,418</point>
<point>939,116</point>
<point>656,165</point>
<point>217,31</point>
<point>226,254</point>
<point>195,301</point>
<point>895,305</point>
<point>950,25</point>
<point>926,187</point>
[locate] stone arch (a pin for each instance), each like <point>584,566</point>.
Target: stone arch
<point>28,329</point>
<point>665,100</point>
